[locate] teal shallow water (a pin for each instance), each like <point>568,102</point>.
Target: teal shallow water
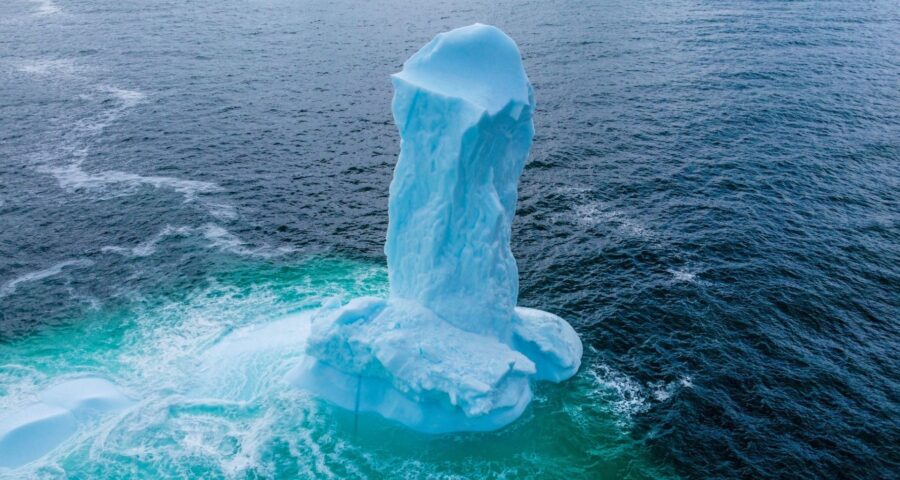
<point>207,412</point>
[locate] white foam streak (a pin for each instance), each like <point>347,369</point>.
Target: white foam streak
<point>148,247</point>
<point>75,141</point>
<point>73,177</point>
<point>662,391</point>
<point>595,213</point>
<point>115,183</point>
<point>225,240</point>
<point>683,276</point>
<point>222,211</point>
<point>591,213</point>
<point>60,67</point>
<point>129,98</point>
<point>686,276</point>
<point>215,235</point>
<point>10,287</point>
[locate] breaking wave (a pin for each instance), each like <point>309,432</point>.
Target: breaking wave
<point>626,397</point>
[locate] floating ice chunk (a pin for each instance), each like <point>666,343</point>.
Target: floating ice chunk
<point>36,429</point>
<point>448,350</point>
<point>400,349</point>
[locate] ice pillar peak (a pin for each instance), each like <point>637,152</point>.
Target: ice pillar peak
<point>478,64</point>
<point>448,350</point>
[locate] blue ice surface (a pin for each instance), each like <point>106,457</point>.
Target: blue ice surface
<point>448,350</point>
<point>29,432</point>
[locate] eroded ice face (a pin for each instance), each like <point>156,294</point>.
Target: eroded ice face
<point>463,105</point>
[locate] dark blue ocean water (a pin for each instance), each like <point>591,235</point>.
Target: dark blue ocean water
<point>711,201</point>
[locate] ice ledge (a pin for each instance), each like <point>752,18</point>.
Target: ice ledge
<point>30,432</point>
<point>400,360</point>
<point>549,341</point>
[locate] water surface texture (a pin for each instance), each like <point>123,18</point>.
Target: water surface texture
<point>711,201</point>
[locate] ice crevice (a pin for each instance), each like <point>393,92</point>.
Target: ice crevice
<point>448,350</point>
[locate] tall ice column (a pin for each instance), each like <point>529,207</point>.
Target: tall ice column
<point>463,106</point>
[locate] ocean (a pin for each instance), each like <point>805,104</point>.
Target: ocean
<point>711,201</point>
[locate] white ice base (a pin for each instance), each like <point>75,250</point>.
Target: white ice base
<point>398,359</point>
<point>367,394</point>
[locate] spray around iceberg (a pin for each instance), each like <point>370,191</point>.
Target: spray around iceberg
<point>448,350</point>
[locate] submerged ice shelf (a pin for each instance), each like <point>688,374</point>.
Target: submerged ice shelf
<point>448,350</point>
<point>33,430</point>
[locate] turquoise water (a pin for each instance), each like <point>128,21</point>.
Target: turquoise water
<point>207,411</point>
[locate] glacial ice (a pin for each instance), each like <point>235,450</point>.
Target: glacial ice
<point>33,430</point>
<point>448,350</point>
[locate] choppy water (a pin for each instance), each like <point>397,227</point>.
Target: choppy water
<point>712,201</point>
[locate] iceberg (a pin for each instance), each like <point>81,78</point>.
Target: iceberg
<point>448,350</point>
